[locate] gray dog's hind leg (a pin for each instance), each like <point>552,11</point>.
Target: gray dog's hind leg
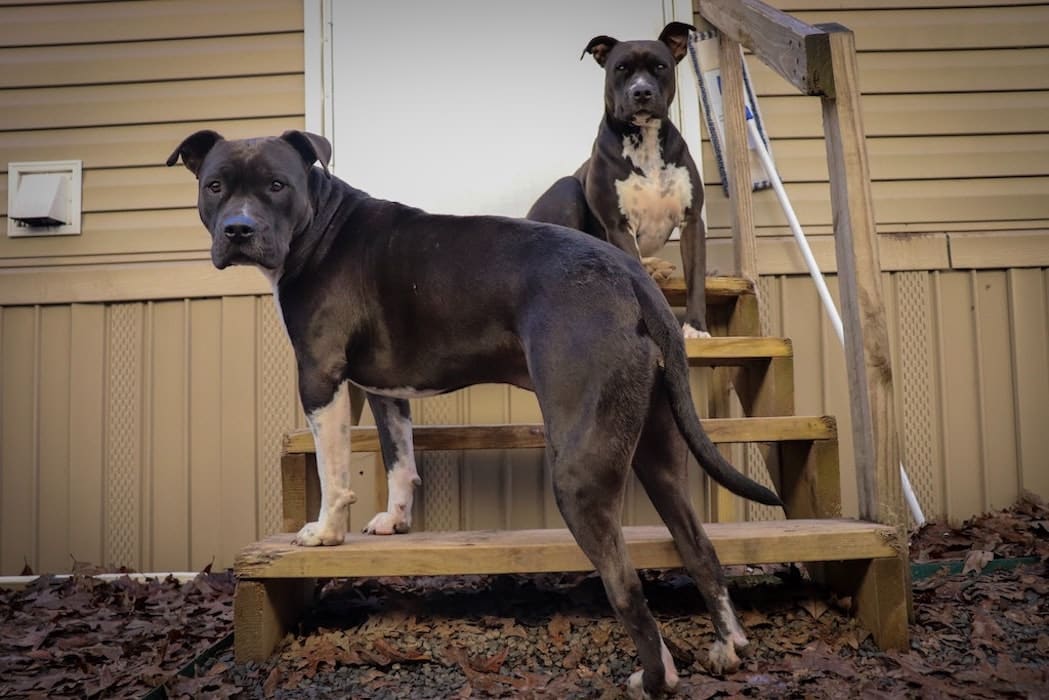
<point>393,421</point>
<point>591,434</point>
<point>588,483</point>
<point>660,463</point>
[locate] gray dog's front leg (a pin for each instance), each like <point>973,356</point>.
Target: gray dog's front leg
<point>330,425</point>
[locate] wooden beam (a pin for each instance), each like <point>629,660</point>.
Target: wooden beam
<point>878,591</point>
<point>429,438</point>
<point>720,290</point>
<point>867,355</point>
<point>787,45</point>
<point>521,551</point>
<point>737,160</point>
<point>735,350</point>
<point>264,611</point>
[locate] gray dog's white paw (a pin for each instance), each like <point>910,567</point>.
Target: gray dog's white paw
<point>315,535</point>
<point>386,523</point>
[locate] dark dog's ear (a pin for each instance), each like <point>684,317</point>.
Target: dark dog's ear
<point>194,149</point>
<point>599,47</point>
<point>312,147</point>
<point>675,36</point>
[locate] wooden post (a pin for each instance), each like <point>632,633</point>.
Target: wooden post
<point>737,160</point>
<point>867,356</point>
<point>263,612</point>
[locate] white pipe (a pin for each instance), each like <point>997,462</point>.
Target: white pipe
<point>23,581</point>
<point>821,285</point>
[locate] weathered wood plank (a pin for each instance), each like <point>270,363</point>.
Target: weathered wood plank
<point>778,39</point>
<point>521,551</point>
<point>720,351</point>
<point>523,436</point>
<point>719,289</point>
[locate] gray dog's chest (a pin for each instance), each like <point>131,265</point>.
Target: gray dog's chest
<point>656,200</point>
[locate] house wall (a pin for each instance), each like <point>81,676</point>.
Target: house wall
<point>143,395</point>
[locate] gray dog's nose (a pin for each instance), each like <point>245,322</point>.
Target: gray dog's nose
<point>239,226</point>
<point>642,95</point>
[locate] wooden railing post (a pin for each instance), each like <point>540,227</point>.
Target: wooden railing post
<point>737,160</point>
<point>867,354</point>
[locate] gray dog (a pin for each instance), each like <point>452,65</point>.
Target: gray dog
<point>405,304</point>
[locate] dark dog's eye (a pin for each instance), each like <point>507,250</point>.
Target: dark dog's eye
<point>661,66</point>
<point>621,66</point>
<point>276,186</point>
<point>215,186</point>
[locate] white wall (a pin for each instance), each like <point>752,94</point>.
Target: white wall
<point>473,106</point>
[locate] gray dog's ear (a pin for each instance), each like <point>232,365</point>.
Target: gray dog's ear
<point>599,47</point>
<point>312,147</point>
<point>675,36</point>
<point>194,149</point>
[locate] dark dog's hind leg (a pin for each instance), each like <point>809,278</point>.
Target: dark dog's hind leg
<point>660,463</point>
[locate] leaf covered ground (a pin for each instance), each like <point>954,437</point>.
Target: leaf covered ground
<point>980,634</point>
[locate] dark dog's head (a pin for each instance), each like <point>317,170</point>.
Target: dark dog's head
<point>639,75</point>
<point>253,194</point>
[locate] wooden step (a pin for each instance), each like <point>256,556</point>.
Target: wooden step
<point>720,290</point>
<point>735,351</point>
<point>516,436</point>
<point>534,551</point>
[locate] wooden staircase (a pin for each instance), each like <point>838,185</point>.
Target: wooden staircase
<point>275,578</point>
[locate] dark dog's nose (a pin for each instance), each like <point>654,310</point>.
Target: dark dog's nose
<point>239,226</point>
<point>642,95</point>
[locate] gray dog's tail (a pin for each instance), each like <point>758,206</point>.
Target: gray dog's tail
<point>663,329</point>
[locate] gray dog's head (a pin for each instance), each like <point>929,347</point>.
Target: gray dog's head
<point>253,194</point>
<point>639,75</point>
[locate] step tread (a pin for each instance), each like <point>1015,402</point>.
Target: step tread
<point>734,350</point>
<point>428,438</point>
<point>720,290</point>
<point>534,551</point>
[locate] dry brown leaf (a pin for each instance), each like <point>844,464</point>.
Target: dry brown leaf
<point>976,560</point>
<point>558,627</point>
<point>814,607</point>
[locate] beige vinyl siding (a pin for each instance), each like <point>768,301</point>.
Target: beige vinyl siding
<point>956,110</point>
<point>119,85</point>
<point>143,433</point>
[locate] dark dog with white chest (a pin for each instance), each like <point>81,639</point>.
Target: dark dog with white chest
<point>640,182</point>
<point>404,304</point>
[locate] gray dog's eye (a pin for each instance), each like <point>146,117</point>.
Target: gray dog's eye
<point>621,66</point>
<point>276,186</point>
<point>215,186</point>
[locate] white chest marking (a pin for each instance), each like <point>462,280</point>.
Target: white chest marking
<point>655,201</point>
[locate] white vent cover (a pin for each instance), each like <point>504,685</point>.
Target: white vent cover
<point>43,198</point>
